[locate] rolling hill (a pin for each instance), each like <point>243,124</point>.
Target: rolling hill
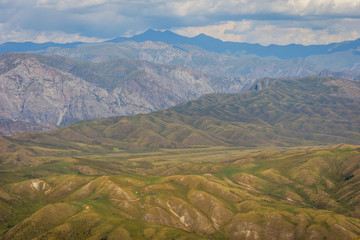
<point>209,193</point>
<point>224,166</point>
<point>306,111</point>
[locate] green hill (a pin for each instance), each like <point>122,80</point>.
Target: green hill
<point>209,193</point>
<point>221,167</point>
<point>307,111</point>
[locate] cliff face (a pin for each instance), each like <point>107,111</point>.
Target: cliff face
<point>42,89</point>
<point>34,92</point>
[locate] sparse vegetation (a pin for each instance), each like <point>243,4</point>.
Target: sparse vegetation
<point>109,178</point>
<point>349,177</point>
<point>188,193</point>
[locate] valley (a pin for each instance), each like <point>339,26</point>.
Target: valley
<point>269,163</point>
<point>162,136</point>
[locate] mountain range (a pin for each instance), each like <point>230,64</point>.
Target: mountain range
<point>298,112</point>
<point>54,90</point>
<point>58,84</point>
<point>213,64</point>
<point>57,91</point>
<point>338,59</point>
<point>235,48</point>
<point>30,46</point>
<point>208,43</point>
<point>161,136</point>
<point>223,166</point>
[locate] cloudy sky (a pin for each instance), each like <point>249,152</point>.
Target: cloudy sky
<point>254,21</point>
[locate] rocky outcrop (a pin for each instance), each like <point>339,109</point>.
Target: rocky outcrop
<point>37,91</point>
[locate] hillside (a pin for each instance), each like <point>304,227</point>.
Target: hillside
<point>54,90</point>
<point>224,166</point>
<point>307,111</point>
<point>211,193</point>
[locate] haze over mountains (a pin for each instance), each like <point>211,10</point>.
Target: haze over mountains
<point>214,64</point>
<point>160,136</point>
<point>233,48</point>
<point>144,73</point>
<point>184,134</point>
<point>300,112</point>
<point>346,53</point>
<point>208,43</point>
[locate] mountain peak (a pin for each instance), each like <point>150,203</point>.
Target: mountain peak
<point>153,32</point>
<point>150,30</point>
<point>216,45</point>
<point>162,36</point>
<point>207,42</point>
<point>203,35</point>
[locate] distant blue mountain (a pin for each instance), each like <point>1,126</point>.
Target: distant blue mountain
<point>205,42</point>
<point>30,46</point>
<point>233,48</point>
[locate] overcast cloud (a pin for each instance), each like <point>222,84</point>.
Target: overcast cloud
<point>255,21</point>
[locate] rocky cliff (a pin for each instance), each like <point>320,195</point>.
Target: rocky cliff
<point>39,90</point>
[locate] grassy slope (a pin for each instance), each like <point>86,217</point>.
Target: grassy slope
<point>308,111</point>
<point>106,182</point>
<point>214,192</point>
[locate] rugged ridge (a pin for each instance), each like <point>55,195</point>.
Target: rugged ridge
<point>206,42</point>
<point>295,112</point>
<point>234,48</point>
<point>247,67</point>
<point>218,167</point>
<point>39,89</point>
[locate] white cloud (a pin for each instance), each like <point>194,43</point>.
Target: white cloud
<point>269,32</point>
<point>246,7</point>
<point>324,7</point>
<point>68,4</point>
<point>300,21</point>
<point>217,31</point>
<point>60,37</point>
<point>7,35</point>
